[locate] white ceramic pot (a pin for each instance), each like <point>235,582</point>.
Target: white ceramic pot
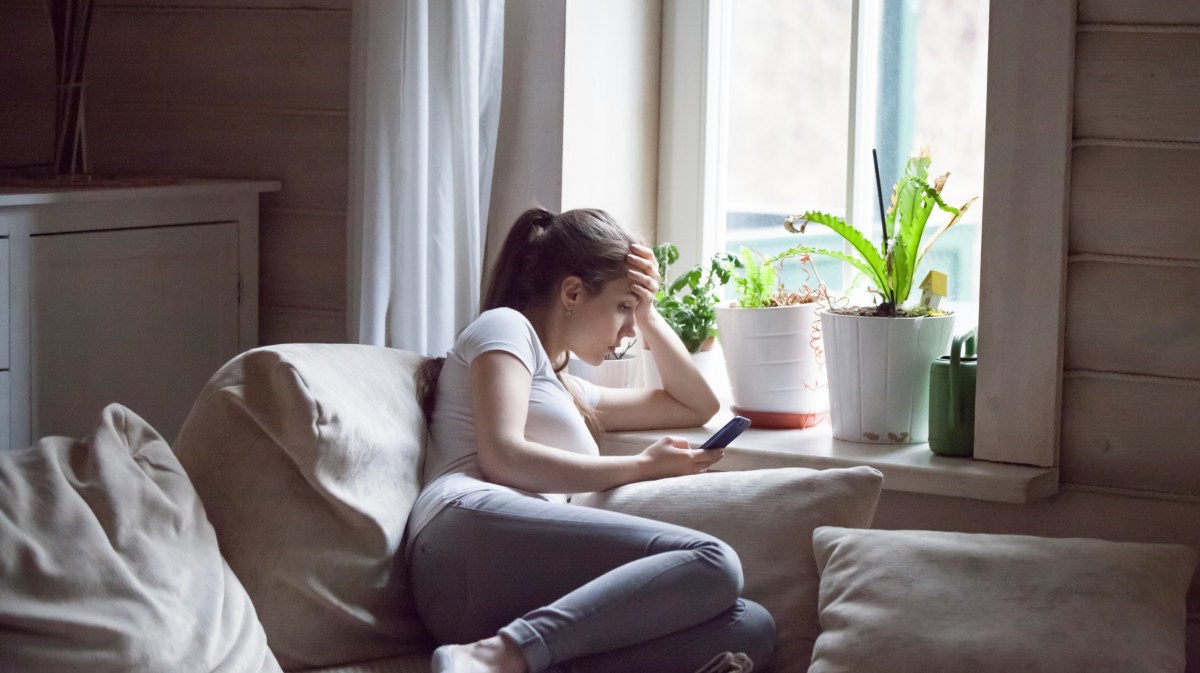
<point>879,375</point>
<point>709,362</point>
<point>774,360</point>
<point>623,373</point>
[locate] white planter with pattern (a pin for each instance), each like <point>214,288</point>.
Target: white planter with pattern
<point>879,375</point>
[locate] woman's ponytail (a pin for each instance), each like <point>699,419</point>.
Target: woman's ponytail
<point>512,282</point>
<point>426,377</point>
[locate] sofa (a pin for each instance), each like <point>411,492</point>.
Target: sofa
<point>266,538</point>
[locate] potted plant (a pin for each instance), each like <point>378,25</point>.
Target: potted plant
<point>688,305</point>
<point>879,356</point>
<point>771,338</point>
<point>688,302</point>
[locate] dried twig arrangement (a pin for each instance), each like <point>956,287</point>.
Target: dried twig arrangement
<point>70,21</point>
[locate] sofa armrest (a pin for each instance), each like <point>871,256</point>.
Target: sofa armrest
<point>768,517</point>
<point>308,460</point>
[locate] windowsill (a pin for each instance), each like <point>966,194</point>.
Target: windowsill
<point>911,468</point>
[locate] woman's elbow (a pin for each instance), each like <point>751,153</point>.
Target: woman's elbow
<point>704,410</point>
<point>495,465</point>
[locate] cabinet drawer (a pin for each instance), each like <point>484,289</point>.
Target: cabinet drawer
<point>142,317</point>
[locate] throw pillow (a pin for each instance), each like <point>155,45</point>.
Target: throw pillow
<point>932,601</point>
<point>768,517</point>
<point>308,458</point>
<point>108,564</point>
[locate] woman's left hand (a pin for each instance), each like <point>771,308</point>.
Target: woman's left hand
<point>643,272</point>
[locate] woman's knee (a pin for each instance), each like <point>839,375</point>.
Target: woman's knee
<point>726,567</point>
<point>756,632</point>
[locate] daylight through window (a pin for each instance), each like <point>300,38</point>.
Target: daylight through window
<point>918,71</point>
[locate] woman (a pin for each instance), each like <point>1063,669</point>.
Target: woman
<point>501,562</point>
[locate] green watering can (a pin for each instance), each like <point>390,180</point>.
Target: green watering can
<point>952,399</point>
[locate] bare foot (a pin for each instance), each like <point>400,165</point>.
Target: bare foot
<point>492,655</point>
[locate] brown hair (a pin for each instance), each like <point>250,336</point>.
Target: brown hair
<point>540,250</point>
<point>543,248</point>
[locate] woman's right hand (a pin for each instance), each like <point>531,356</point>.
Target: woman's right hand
<point>674,457</point>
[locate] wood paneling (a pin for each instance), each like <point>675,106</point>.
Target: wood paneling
<point>1135,201</point>
<point>1131,435</point>
<point>228,5</point>
<point>303,259</point>
<point>1126,432</point>
<point>26,85</point>
<point>239,88</point>
<point>1137,85</point>
<point>27,52</point>
<point>217,59</point>
<point>212,88</point>
<point>1134,319</point>
<point>1124,11</point>
<point>307,153</point>
<point>26,134</point>
<point>285,325</point>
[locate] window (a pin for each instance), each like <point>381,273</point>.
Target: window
<point>1026,172</point>
<point>805,91</point>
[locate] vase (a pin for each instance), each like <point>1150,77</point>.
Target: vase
<point>879,375</point>
<point>624,372</point>
<point>775,363</point>
<point>708,361</point>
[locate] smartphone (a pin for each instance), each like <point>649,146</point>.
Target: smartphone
<point>721,438</point>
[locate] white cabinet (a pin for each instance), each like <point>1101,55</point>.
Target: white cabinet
<point>134,296</point>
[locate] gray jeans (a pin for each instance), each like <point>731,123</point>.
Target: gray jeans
<point>582,590</point>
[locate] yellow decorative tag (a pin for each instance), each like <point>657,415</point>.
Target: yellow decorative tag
<point>933,288</point>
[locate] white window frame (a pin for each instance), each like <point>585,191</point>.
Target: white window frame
<point>1026,175</point>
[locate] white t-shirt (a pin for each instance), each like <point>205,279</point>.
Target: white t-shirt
<point>451,459</point>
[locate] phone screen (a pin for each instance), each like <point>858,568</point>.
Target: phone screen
<point>721,438</point>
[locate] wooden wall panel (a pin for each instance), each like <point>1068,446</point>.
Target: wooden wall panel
<point>1158,12</point>
<point>228,5</point>
<point>26,51</point>
<point>1135,201</point>
<point>220,59</point>
<point>240,88</point>
<point>307,153</point>
<point>1134,319</point>
<point>290,325</point>
<point>26,134</point>
<point>26,85</point>
<point>303,259</point>
<point>1137,85</point>
<point>1135,435</point>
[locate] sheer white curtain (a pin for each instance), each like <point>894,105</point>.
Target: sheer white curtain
<point>424,110</point>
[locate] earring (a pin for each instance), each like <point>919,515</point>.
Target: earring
<point>570,311</point>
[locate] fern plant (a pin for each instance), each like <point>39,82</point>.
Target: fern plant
<point>892,265</point>
<point>757,279</point>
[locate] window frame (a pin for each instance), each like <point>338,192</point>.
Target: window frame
<point>1023,254</point>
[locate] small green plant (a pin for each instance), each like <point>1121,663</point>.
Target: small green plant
<point>756,280</point>
<point>620,352</point>
<point>892,266</point>
<point>688,303</point>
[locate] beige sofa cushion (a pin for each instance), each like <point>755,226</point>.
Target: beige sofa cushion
<point>107,563</point>
<point>307,457</point>
<point>951,602</point>
<point>768,517</point>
